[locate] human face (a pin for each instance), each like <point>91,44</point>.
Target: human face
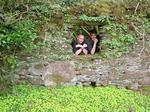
<point>93,36</point>
<point>80,39</point>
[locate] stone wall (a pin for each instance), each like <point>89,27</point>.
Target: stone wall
<point>129,72</point>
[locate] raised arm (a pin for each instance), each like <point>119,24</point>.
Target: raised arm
<point>94,46</point>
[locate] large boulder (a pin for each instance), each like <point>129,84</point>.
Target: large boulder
<point>48,74</point>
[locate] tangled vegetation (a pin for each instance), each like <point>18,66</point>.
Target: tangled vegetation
<point>27,98</point>
<point>34,25</point>
<point>44,29</point>
<point>23,24</point>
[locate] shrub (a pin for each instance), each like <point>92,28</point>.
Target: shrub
<point>18,36</point>
<point>117,39</point>
<point>13,39</point>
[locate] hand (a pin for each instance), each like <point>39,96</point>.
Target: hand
<point>95,40</point>
<point>85,45</point>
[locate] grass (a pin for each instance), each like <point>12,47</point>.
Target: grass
<point>27,98</point>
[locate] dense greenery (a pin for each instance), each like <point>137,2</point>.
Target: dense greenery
<point>44,29</point>
<point>47,25</point>
<point>27,98</point>
<point>21,21</point>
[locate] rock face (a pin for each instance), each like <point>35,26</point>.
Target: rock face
<point>129,72</point>
<point>48,74</point>
<point>58,73</point>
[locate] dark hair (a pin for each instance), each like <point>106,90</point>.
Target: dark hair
<point>93,32</point>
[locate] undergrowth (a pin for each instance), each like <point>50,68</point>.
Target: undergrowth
<point>27,98</point>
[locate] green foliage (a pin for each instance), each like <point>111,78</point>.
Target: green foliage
<point>26,98</point>
<point>91,8</point>
<point>123,41</point>
<point>142,9</point>
<point>22,21</point>
<point>14,13</point>
<point>116,28</point>
<point>117,39</point>
<point>117,8</point>
<point>127,39</point>
<point>89,19</point>
<point>15,37</point>
<point>142,24</point>
<point>11,61</point>
<point>21,36</point>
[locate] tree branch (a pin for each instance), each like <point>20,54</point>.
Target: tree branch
<point>135,11</point>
